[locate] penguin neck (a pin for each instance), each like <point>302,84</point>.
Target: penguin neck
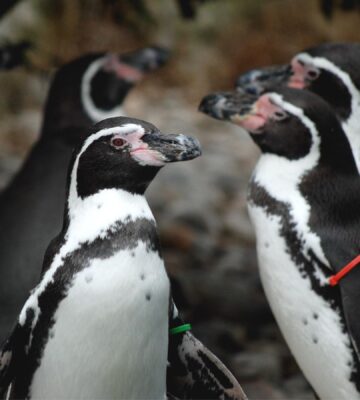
<point>295,183</point>
<point>98,214</point>
<point>344,109</point>
<point>281,178</point>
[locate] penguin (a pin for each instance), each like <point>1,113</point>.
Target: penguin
<point>331,70</point>
<point>303,202</point>
<point>31,207</point>
<point>101,308</point>
<point>96,325</point>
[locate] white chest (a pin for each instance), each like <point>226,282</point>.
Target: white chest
<point>310,326</point>
<point>110,338</point>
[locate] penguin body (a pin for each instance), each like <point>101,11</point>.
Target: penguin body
<point>302,201</point>
<point>135,286</point>
<point>31,207</point>
<point>98,319</point>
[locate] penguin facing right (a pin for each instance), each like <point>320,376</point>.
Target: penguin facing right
<point>31,207</point>
<point>96,325</point>
<point>331,70</point>
<point>303,202</point>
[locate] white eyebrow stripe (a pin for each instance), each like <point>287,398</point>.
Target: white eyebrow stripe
<point>93,112</point>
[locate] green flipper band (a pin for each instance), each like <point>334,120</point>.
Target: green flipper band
<point>180,329</point>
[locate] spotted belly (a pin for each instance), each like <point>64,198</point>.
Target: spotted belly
<point>313,329</point>
<point>110,335</point>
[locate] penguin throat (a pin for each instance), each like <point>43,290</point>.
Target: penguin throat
<point>98,214</point>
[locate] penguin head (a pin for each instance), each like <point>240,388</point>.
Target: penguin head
<point>93,87</point>
<point>330,70</point>
<point>126,153</point>
<point>288,123</point>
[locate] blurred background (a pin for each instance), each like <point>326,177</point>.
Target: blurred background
<point>200,206</point>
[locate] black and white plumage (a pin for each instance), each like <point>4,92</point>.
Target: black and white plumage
<point>31,207</point>
<point>303,201</point>
<point>331,70</point>
<point>96,325</point>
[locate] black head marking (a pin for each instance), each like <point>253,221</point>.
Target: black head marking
<point>127,153</point>
<point>334,147</point>
<point>85,90</point>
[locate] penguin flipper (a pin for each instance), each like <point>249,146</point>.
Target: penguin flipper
<point>6,367</point>
<point>350,295</point>
<point>12,353</point>
<point>194,372</point>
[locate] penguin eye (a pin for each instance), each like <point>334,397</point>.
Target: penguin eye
<point>118,142</point>
<point>313,74</point>
<point>280,115</point>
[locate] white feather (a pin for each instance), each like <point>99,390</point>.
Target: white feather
<point>327,364</point>
<point>95,113</point>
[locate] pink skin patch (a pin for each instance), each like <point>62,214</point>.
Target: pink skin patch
<point>263,110</point>
<point>303,74</point>
<point>148,156</point>
<point>140,151</point>
<point>297,80</point>
<point>122,70</point>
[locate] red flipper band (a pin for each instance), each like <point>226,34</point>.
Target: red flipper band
<point>334,279</point>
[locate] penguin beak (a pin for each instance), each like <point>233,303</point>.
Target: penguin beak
<point>131,67</point>
<point>227,105</point>
<point>147,59</point>
<point>160,149</point>
<point>258,81</point>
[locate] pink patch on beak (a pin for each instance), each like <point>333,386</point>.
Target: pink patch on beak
<point>263,109</point>
<point>147,156</point>
<point>122,70</point>
<point>253,123</point>
<point>297,80</point>
<point>141,152</point>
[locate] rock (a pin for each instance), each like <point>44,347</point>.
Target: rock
<point>297,387</point>
<point>257,364</point>
<point>262,390</point>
